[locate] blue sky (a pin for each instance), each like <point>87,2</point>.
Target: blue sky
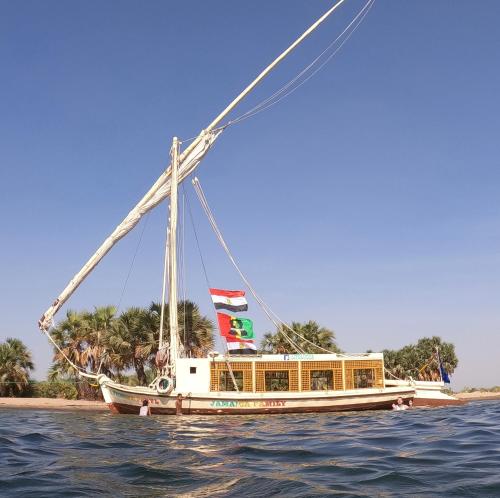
<point>368,200</point>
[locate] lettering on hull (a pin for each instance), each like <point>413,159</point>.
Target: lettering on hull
<point>268,403</point>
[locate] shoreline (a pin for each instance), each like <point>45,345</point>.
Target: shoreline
<point>478,396</point>
<point>54,404</point>
<point>75,405</point>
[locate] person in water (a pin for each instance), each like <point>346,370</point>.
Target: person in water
<point>178,404</point>
<point>399,405</point>
<point>145,411</point>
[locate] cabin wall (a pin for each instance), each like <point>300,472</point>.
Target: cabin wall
<point>297,376</point>
<point>263,368</point>
<point>219,375</point>
<point>193,375</point>
<point>361,374</point>
<point>332,368</point>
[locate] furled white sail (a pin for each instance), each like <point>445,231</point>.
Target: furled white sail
<point>159,191</point>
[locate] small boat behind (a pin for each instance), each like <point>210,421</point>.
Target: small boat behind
<point>427,393</point>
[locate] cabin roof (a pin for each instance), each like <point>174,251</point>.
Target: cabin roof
<point>290,357</point>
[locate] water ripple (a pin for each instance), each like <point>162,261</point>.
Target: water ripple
<point>444,452</point>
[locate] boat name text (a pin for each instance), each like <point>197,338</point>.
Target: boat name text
<point>268,403</point>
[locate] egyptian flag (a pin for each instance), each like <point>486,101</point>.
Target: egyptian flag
<point>234,328</point>
<point>229,300</point>
<point>240,347</point>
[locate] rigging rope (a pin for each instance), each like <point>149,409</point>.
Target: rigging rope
<point>190,212</point>
<point>78,369</point>
<point>275,319</point>
<point>282,92</point>
<point>133,261</point>
<point>213,223</point>
<point>288,88</point>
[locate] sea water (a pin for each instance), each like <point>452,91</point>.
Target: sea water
<point>419,453</point>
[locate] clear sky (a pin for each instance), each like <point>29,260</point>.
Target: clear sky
<point>368,200</point>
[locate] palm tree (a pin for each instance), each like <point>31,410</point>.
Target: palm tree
<point>81,339</point>
<point>127,342</point>
<point>100,341</point>
<point>15,366</point>
<point>70,336</point>
<point>275,343</point>
<point>310,337</point>
<point>98,324</point>
<point>419,360</point>
<point>195,330</point>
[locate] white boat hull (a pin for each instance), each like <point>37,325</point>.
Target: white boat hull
<point>126,399</point>
<point>427,393</point>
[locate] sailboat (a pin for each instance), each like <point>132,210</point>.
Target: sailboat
<point>230,383</point>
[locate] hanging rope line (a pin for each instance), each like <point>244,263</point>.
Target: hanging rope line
<point>289,87</point>
<point>391,374</point>
<point>190,212</point>
<point>77,368</point>
<point>133,261</point>
<point>273,317</point>
<point>306,74</point>
<point>196,238</point>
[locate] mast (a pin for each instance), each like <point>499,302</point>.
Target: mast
<point>188,162</point>
<point>164,288</point>
<point>172,259</point>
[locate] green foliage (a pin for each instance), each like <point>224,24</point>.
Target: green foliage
<point>419,360</point>
<point>494,389</point>
<point>310,337</point>
<point>102,341</point>
<point>55,389</point>
<point>15,367</point>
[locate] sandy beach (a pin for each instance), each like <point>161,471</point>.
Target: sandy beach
<point>478,396</point>
<point>52,404</point>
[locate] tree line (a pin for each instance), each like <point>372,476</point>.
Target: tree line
<point>419,360</point>
<point>124,345</point>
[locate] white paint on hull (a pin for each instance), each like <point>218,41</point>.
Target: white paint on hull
<point>424,389</point>
<point>131,398</point>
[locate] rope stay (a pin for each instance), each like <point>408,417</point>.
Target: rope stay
<point>303,76</point>
<point>205,273</point>
<point>80,371</point>
<point>273,317</point>
<point>131,267</point>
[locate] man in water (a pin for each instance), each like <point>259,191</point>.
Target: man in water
<point>178,404</point>
<point>400,405</point>
<point>145,411</point>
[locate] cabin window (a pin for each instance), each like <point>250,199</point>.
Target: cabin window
<point>277,380</point>
<point>321,380</point>
<point>227,384</point>
<point>192,370</point>
<point>364,377</point>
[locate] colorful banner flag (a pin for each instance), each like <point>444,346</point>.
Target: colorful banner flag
<point>233,327</point>
<point>230,300</point>
<point>235,343</point>
<point>224,323</point>
<point>242,328</point>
